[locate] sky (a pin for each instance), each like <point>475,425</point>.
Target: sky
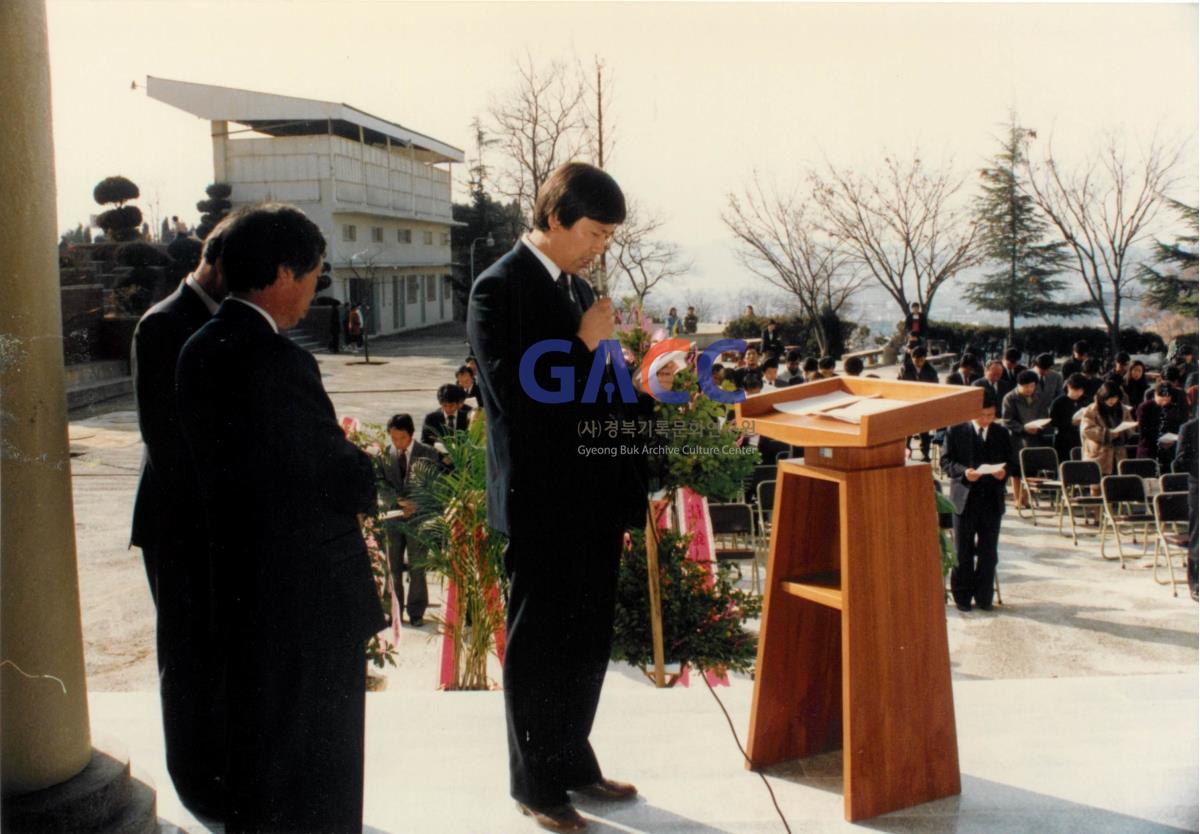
<point>704,94</point>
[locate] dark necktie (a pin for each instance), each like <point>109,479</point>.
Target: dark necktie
<point>401,466</point>
<point>564,284</point>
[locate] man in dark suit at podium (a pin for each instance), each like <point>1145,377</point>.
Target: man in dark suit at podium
<point>169,528</point>
<point>978,498</point>
<point>564,512</point>
<point>281,487</point>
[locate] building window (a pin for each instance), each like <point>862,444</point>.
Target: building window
<point>428,237</point>
<point>414,289</point>
<point>404,235</point>
<point>445,238</point>
<point>431,286</point>
<point>349,232</point>
<point>377,234</point>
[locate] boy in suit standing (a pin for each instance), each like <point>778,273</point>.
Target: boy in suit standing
<point>403,456</point>
<point>978,499</point>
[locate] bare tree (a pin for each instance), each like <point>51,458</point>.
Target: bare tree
<point>538,126</point>
<point>1103,210</point>
<point>640,257</point>
<point>780,243</point>
<point>903,225</point>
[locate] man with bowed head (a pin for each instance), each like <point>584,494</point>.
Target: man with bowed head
<point>564,512</point>
<point>281,488</point>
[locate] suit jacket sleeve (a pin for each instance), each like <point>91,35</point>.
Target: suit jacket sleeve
<point>157,342</point>
<point>312,442</point>
<point>951,460</point>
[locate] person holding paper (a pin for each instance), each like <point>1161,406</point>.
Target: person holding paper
<point>1026,414</point>
<point>1159,418</point>
<point>1104,428</point>
<point>975,457</point>
<point>1064,416</point>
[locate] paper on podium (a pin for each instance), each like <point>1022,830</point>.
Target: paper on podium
<point>1125,426</point>
<point>841,406</point>
<point>990,468</point>
<point>1167,439</point>
<point>825,402</point>
<point>1038,424</point>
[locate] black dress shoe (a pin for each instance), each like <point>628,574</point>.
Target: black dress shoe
<point>416,622</point>
<point>556,817</point>
<point>963,606</point>
<point>608,790</point>
<point>983,607</point>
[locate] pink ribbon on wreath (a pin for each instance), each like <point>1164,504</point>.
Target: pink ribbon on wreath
<point>446,676</point>
<point>694,518</point>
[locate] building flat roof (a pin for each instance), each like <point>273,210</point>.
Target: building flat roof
<point>277,115</point>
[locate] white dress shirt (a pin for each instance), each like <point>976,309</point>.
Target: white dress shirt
<point>205,297</point>
<point>261,311</point>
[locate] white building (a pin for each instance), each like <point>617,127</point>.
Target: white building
<point>379,191</point>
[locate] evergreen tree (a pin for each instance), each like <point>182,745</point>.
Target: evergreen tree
<point>1171,285</point>
<point>1012,235</point>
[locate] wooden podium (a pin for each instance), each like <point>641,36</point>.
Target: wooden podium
<point>852,648</point>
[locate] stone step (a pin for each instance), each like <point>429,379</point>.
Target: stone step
<point>140,814</point>
<point>87,393</point>
<point>99,371</point>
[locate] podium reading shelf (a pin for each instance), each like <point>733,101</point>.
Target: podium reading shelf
<point>853,646</point>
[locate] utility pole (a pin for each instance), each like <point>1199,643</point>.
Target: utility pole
<point>600,158</point>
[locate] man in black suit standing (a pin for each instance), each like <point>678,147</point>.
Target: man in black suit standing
<point>563,508</point>
<point>404,456</point>
<point>978,498</point>
<point>453,414</point>
<point>169,528</point>
<point>282,489</point>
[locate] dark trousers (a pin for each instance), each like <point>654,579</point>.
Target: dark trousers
<point>562,593</point>
<point>191,675</point>
<point>976,535</point>
<point>416,600</point>
<point>296,736</point>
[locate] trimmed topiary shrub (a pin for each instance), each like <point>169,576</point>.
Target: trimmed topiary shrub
<point>116,189</point>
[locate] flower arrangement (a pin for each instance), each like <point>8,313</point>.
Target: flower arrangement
<point>703,613</point>
<point>450,520</point>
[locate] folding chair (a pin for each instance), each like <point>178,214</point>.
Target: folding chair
<point>1039,471</point>
<point>1078,477</point>
<point>762,472</point>
<point>1124,504</point>
<point>1076,453</point>
<point>1170,524</point>
<point>1142,467</point>
<point>733,537</point>
<point>785,455</point>
<point>765,506</point>
<point>1173,482</point>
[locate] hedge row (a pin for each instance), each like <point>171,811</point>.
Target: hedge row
<point>989,340</point>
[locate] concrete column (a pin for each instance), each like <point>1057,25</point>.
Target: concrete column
<point>44,734</point>
<point>220,140</point>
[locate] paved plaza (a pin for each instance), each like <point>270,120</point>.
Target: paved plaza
<point>1076,700</point>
